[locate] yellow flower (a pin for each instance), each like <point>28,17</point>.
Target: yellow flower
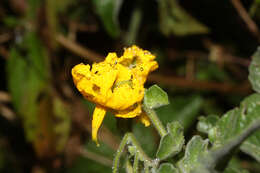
<point>116,84</point>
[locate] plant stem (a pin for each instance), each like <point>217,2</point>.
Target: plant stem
<point>128,166</point>
<point>155,120</point>
<point>127,139</point>
<point>136,161</point>
<point>119,153</point>
<point>146,168</point>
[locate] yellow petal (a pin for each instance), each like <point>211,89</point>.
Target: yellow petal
<point>98,116</point>
<point>125,96</point>
<point>130,112</point>
<point>144,119</point>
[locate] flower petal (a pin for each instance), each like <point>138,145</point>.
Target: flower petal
<point>144,119</point>
<point>130,112</point>
<point>98,116</point>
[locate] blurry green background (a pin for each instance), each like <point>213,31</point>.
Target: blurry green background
<point>203,49</point>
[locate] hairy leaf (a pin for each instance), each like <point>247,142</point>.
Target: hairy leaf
<point>254,71</point>
<point>196,147</point>
<point>171,144</point>
<point>205,124</point>
<point>155,97</point>
<point>234,122</point>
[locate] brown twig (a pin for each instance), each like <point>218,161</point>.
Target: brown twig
<point>227,58</point>
<point>78,49</point>
<point>7,112</point>
<point>84,27</point>
<point>4,97</point>
<point>5,37</point>
<point>246,18</point>
<point>172,81</point>
<point>4,53</point>
<point>200,85</point>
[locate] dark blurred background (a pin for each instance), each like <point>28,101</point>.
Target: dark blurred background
<point>203,49</point>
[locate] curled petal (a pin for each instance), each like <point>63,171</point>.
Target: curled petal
<point>98,116</point>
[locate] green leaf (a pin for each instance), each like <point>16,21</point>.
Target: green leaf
<point>229,132</point>
<point>205,124</point>
<point>155,97</point>
<point>27,79</point>
<point>254,71</point>
<point>175,20</point>
<point>252,146</point>
<point>236,121</point>
<point>196,147</point>
<point>171,144</point>
<point>108,12</point>
<point>167,168</point>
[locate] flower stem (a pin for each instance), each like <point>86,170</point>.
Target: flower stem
<point>129,138</point>
<point>119,153</point>
<point>128,166</point>
<point>155,120</point>
<point>136,161</point>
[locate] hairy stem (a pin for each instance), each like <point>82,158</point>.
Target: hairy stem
<point>136,161</point>
<point>129,138</point>
<point>155,120</point>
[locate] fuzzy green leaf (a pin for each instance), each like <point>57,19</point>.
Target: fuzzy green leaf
<point>196,147</point>
<point>252,146</point>
<point>205,124</point>
<point>155,97</point>
<point>229,132</point>
<point>254,71</point>
<point>171,144</point>
<point>234,122</point>
<point>167,168</point>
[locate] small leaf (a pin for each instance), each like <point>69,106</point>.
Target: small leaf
<point>196,147</point>
<point>155,97</point>
<point>171,144</point>
<point>254,71</point>
<point>205,124</point>
<point>167,168</point>
<point>108,12</point>
<point>175,20</point>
